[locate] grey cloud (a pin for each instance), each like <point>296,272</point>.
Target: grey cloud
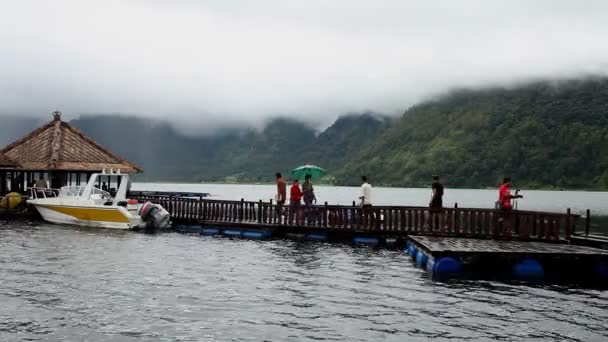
<point>210,64</point>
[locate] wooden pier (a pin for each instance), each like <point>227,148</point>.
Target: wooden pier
<point>517,245</point>
<point>398,221</point>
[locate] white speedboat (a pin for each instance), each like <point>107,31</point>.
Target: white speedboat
<point>93,207</point>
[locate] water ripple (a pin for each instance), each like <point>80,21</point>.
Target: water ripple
<point>76,284</point>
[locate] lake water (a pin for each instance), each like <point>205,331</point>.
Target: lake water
<point>68,284</point>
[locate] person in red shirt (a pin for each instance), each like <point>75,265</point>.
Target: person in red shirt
<point>505,196</point>
<point>504,201</point>
<point>295,199</point>
<point>296,193</point>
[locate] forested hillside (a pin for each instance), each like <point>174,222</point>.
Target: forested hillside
<point>232,155</point>
<point>542,134</point>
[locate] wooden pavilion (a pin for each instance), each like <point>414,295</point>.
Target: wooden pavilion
<point>6,166</point>
<point>59,154</point>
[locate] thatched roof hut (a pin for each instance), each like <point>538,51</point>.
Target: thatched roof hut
<point>57,152</point>
<point>7,163</point>
<point>58,146</point>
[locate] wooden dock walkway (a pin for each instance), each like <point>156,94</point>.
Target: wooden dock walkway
<point>378,220</point>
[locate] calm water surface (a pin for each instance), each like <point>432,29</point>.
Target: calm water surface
<point>67,284</point>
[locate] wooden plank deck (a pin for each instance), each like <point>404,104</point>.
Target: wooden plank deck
<point>437,246</point>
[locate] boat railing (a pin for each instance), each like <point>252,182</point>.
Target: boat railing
<point>67,192</point>
<point>38,193</point>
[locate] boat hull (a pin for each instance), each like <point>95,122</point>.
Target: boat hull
<point>110,217</point>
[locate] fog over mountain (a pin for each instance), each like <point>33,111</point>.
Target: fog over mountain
<point>209,64</point>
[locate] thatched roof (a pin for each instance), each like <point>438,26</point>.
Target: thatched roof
<point>7,163</point>
<point>59,146</point>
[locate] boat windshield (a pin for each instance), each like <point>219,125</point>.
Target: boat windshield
<point>77,191</point>
<point>71,191</point>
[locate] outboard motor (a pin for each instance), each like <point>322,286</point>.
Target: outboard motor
<point>155,217</point>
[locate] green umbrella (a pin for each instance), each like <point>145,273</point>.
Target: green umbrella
<point>312,170</point>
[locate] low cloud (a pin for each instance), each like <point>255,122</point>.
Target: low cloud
<point>209,64</point>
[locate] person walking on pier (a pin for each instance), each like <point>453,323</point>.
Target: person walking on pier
<point>366,201</point>
<point>366,193</point>
<point>505,204</point>
<point>294,200</point>
<point>281,193</point>
<point>308,192</point>
<point>504,195</point>
<point>436,204</point>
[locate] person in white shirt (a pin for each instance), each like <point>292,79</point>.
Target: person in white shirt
<point>366,193</point>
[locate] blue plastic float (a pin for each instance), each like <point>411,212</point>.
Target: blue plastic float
<point>232,232</point>
<point>444,267</point>
<point>188,228</point>
<point>210,231</point>
<point>317,236</point>
<point>528,269</point>
<point>411,250</point>
<point>263,234</point>
<point>421,259</point>
<point>368,241</point>
<point>601,271</point>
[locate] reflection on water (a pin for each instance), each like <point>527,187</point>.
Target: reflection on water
<point>60,284</point>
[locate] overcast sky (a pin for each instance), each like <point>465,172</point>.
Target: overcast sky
<point>224,61</point>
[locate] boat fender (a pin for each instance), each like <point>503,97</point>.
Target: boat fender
<point>11,201</point>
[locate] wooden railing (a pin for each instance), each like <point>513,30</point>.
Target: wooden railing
<point>470,222</point>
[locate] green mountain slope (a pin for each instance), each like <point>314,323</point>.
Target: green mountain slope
<point>541,134</point>
<point>231,155</point>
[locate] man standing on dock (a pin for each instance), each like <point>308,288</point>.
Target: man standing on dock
<point>281,193</point>
<point>366,193</point>
<point>436,204</point>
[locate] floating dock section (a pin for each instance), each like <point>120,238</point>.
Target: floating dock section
<point>524,260</point>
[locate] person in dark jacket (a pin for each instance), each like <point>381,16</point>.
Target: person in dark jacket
<point>309,191</point>
<point>436,204</point>
<point>309,198</point>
